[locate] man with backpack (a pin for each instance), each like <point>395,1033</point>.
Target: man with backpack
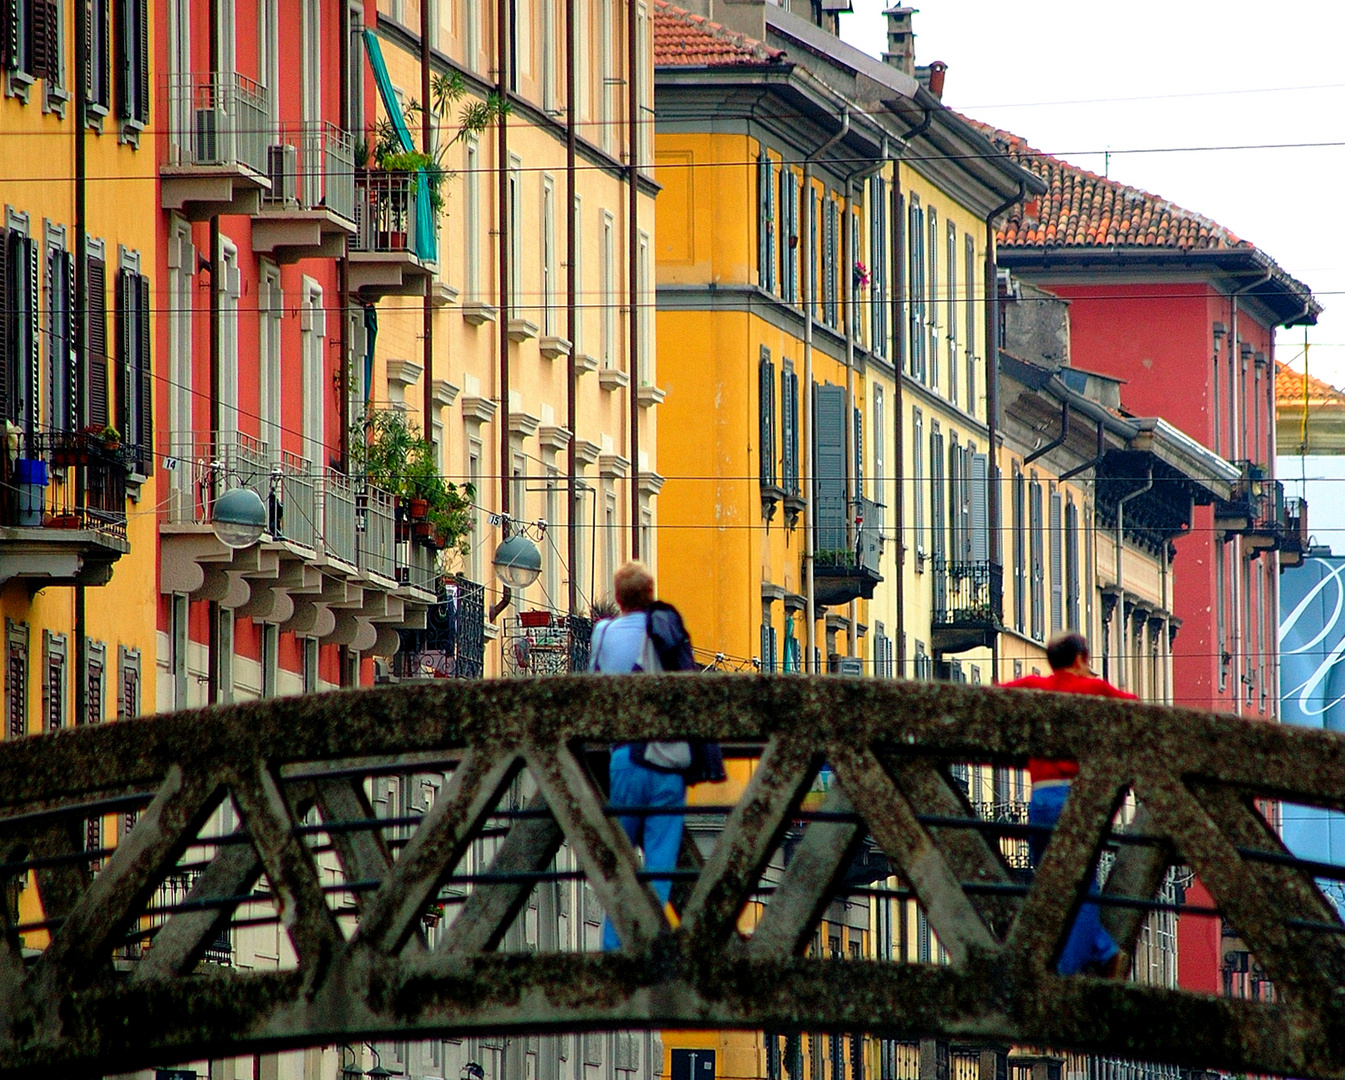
<point>648,636</point>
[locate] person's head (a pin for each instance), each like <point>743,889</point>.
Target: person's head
<point>634,587</point>
<point>1067,652</point>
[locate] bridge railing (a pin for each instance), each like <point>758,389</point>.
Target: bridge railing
<point>313,814</point>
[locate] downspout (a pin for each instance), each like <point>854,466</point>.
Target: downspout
<point>992,388</point>
<point>853,493</point>
<point>809,286</point>
<point>342,282</point>
<point>212,606</point>
<point>571,316</point>
<point>633,270</point>
<point>427,302</point>
<point>1120,570</point>
<point>81,325</point>
<point>1235,442</point>
<point>898,407</point>
<point>502,323</point>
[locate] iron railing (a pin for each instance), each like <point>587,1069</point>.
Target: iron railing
<point>207,467</point>
<point>376,521</point>
<point>1295,519</point>
<point>294,503</point>
<point>848,534</point>
<point>385,212</point>
<point>542,641</point>
<point>452,645</point>
<point>42,489</point>
<point>221,118</point>
<point>312,166</point>
<point>338,516</point>
<point>968,593</point>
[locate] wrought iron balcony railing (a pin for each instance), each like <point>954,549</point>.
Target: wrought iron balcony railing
<point>968,604</point>
<point>220,118</point>
<point>66,480</point>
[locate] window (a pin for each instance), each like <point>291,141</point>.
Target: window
<point>30,43</point>
<point>831,513</point>
<point>577,255</point>
<point>182,264</point>
<point>95,335</point>
<point>230,289</point>
<point>645,314</point>
<point>768,643</point>
<point>53,681</point>
<point>1019,551</point>
<point>1072,567</point>
<point>97,74</point>
<point>134,379</point>
<point>314,337</point>
<point>937,495</point>
<point>1037,555</point>
<point>270,308</point>
<point>268,53</point>
<point>20,344</point>
<point>916,288</point>
<point>471,217</point>
<point>95,682</point>
<point>789,235</point>
<point>224,654</point>
<point>310,61</point>
<point>1057,563</point>
<point>932,294</point>
<point>607,47</point>
<point>766,418</point>
<point>471,33</point>
<point>609,299</point>
<point>951,299</point>
<point>766,223</point>
<point>789,430</point>
<point>311,668</point>
<point>548,249</point>
<point>515,225</point>
<point>270,646</point>
<point>550,49</point>
<point>969,284</point>
<point>831,277</point>
<point>128,682</point>
<point>16,679</point>
<point>878,264</point>
<point>813,224</point>
<point>918,486</point>
<point>62,369</point>
<point>878,457</point>
<point>178,644</point>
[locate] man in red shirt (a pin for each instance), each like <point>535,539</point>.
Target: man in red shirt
<point>1089,947</point>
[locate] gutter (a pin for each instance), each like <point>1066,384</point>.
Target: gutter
<point>809,286</point>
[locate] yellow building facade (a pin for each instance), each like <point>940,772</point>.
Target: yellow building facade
<point>538,372</point>
<point>77,386</point>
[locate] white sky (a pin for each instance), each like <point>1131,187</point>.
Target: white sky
<point>1194,73</point>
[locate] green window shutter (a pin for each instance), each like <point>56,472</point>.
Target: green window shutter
<point>766,418</point>
<point>95,343</point>
<point>829,453</point>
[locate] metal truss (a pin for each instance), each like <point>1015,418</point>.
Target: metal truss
<point>98,974</point>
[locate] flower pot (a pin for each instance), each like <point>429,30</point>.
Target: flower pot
<point>63,521</point>
<point>534,618</point>
<point>418,508</point>
<point>422,528</point>
<point>111,445</point>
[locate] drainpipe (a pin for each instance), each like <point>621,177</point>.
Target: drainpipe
<point>571,316</point>
<point>852,492</point>
<point>427,306</point>
<point>212,606</point>
<point>898,407</point>
<point>992,386</point>
<point>633,270</point>
<point>1235,442</point>
<point>809,286</point>
<point>81,321</point>
<point>502,323</point>
<point>1120,568</point>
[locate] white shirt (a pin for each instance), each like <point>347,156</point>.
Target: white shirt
<point>618,643</point>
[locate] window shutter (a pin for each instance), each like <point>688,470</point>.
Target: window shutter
<point>7,315</point>
<point>104,87</point>
<point>33,342</point>
<point>145,400</point>
<point>936,495</point>
<point>763,183</point>
<point>771,225</point>
<point>96,342</point>
<point>766,418</point>
<point>75,362</point>
<point>45,30</point>
<point>789,448</point>
<point>980,514</point>
<point>9,33</point>
<point>127,49</point>
<point>1057,566</point>
<point>829,484</point>
<point>859,453</point>
<point>122,360</point>
<point>142,73</point>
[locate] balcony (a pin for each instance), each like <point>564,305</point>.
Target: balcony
<point>546,642</point>
<point>847,551</point>
<point>218,131</point>
<point>452,645</point>
<point>309,211</point>
<point>62,510</point>
<point>1294,542</point>
<point>384,255</point>
<point>330,564</point>
<point>968,605</point>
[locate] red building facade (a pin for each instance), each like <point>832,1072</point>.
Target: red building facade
<point>1185,312</point>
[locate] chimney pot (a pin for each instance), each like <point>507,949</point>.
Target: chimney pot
<point>937,70</point>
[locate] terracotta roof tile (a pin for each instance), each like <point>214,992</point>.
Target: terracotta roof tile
<point>682,39</point>
<point>1082,209</point>
<point>1289,388</point>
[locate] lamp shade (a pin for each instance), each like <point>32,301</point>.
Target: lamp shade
<point>517,561</point>
<point>239,518</point>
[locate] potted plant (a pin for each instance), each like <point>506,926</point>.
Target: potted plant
<point>111,438</point>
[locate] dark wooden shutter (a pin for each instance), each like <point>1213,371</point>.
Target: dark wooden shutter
<point>75,364</point>
<point>104,87</point>
<point>142,73</point>
<point>96,342</point>
<point>7,318</point>
<point>44,33</point>
<point>766,417</point>
<point>33,342</point>
<point>127,55</point>
<point>829,484</point>
<point>122,358</point>
<point>145,400</point>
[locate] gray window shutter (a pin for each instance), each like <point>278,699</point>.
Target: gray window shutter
<point>859,453</point>
<point>937,516</point>
<point>980,512</point>
<point>1057,566</point>
<point>766,417</point>
<point>124,351</point>
<point>145,401</point>
<point>763,184</point>
<point>1071,567</point>
<point>6,317</point>
<point>829,484</point>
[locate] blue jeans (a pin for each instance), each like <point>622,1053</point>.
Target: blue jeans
<point>659,836</point>
<point>1088,942</point>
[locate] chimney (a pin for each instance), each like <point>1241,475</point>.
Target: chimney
<point>900,52</point>
<point>937,70</point>
<point>741,16</point>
